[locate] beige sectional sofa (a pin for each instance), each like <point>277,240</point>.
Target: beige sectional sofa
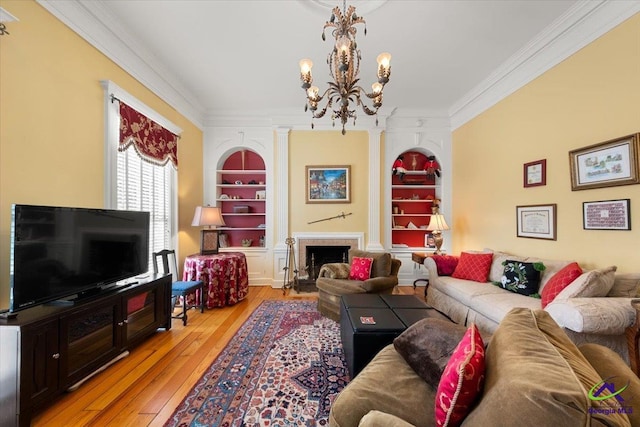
<point>600,319</point>
<point>534,376</point>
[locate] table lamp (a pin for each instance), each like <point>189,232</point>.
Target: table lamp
<point>211,217</point>
<point>437,224</point>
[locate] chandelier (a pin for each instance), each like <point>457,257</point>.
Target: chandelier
<point>344,66</point>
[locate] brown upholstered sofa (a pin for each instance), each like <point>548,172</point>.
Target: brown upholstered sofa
<point>333,281</point>
<point>535,376</point>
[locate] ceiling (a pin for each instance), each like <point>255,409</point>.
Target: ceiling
<point>241,56</point>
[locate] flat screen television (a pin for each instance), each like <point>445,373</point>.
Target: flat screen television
<point>61,252</point>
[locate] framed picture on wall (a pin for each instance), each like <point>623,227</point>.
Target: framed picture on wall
<point>606,215</point>
<point>535,173</point>
<point>536,221</point>
<point>328,184</point>
<point>606,164</point>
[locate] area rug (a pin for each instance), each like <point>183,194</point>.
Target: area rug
<point>284,367</point>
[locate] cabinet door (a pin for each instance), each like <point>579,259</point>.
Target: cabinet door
<point>89,337</point>
<point>39,363</point>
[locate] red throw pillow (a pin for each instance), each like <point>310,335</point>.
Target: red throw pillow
<point>462,380</point>
<point>360,268</point>
<point>559,281</point>
<point>446,264</point>
<point>473,266</point>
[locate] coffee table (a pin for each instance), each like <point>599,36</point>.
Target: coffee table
<point>369,322</point>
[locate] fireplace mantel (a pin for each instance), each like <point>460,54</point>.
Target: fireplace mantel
<point>355,240</point>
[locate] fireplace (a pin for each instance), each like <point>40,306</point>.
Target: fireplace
<point>317,256</point>
<point>333,247</point>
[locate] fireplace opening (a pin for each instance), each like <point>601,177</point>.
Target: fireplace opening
<point>317,256</point>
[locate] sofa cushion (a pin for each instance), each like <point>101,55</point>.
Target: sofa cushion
<point>446,264</point>
<point>473,266</point>
<point>594,283</point>
<point>521,277</point>
<point>559,281</point>
<point>463,290</point>
<point>360,268</point>
<point>404,393</point>
<point>625,285</point>
<point>462,380</point>
<point>534,366</point>
<point>381,261</point>
<point>497,306</point>
<point>427,346</point>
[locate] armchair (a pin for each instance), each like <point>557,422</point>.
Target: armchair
<point>333,280</point>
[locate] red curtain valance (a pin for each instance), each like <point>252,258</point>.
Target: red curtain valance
<point>151,141</point>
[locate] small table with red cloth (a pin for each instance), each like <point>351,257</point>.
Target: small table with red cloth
<point>224,275</point>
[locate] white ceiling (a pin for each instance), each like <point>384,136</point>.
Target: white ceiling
<point>215,57</point>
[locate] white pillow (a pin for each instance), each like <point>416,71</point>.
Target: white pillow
<point>625,285</point>
<point>594,283</point>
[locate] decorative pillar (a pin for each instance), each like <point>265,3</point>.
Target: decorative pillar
<point>373,241</point>
<point>281,194</point>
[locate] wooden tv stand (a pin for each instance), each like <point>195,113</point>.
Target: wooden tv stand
<point>47,349</point>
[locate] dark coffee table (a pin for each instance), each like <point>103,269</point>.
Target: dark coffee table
<point>369,322</point>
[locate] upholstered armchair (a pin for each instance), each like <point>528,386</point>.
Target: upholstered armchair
<point>333,280</point>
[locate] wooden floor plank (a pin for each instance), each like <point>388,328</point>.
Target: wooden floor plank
<point>144,388</point>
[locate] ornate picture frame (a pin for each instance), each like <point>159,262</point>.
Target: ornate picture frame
<point>607,215</point>
<point>607,164</point>
<point>537,221</point>
<point>328,184</point>
<point>535,173</point>
<point>209,243</point>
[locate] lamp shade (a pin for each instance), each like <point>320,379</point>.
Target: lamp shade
<point>437,223</point>
<point>207,215</point>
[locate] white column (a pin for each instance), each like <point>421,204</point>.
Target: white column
<point>373,241</point>
<point>281,188</point>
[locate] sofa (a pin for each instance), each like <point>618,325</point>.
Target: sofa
<point>594,307</point>
<point>333,280</point>
<point>532,375</point>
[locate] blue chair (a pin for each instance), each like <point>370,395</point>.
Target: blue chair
<point>179,288</point>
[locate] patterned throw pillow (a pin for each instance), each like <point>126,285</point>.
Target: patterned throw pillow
<point>462,380</point>
<point>446,264</point>
<point>521,277</point>
<point>559,281</point>
<point>360,268</point>
<point>473,266</point>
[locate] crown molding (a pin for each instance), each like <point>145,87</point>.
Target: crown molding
<point>94,23</point>
<point>578,27</point>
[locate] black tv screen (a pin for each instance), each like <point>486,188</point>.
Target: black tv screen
<point>58,252</point>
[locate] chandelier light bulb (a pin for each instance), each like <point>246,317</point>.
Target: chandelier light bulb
<point>312,92</point>
<point>305,66</point>
<point>342,44</point>
<point>377,88</point>
<point>384,60</point>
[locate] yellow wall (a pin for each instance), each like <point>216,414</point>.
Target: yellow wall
<point>322,148</point>
<point>52,125</point>
<point>591,97</point>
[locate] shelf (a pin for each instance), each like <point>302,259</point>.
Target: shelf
<point>243,214</point>
<point>424,230</point>
<point>412,200</point>
<point>409,214</point>
<point>241,171</point>
<point>241,200</point>
<point>242,185</point>
<point>240,228</point>
<point>421,186</point>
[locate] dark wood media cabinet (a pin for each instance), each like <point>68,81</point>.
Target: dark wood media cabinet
<point>47,349</point>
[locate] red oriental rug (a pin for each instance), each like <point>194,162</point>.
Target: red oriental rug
<point>284,366</point>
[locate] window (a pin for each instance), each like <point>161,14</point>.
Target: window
<point>132,183</point>
<point>142,186</point>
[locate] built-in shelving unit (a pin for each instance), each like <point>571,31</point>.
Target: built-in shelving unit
<point>241,193</point>
<point>413,198</point>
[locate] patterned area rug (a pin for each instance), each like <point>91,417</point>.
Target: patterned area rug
<point>284,367</point>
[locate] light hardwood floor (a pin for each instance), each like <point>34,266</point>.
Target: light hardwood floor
<point>144,388</point>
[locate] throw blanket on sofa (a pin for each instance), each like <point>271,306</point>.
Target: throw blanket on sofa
<point>336,270</point>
